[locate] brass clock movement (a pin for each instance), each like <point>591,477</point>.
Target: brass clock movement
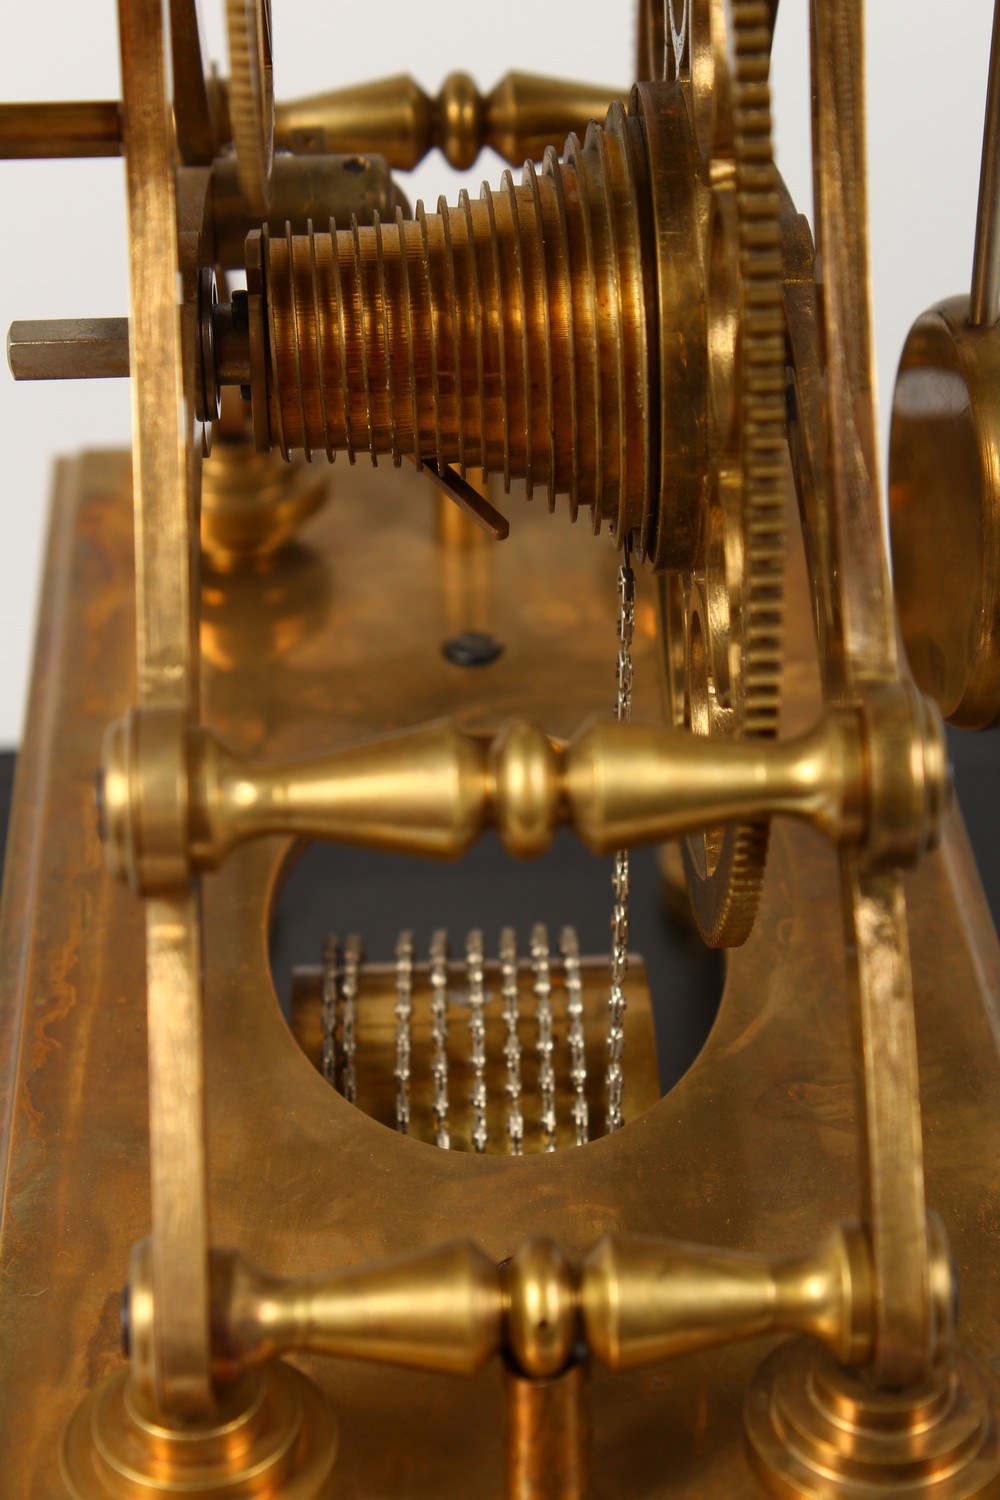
<point>436,1230</point>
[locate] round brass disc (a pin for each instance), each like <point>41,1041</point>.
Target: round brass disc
<point>944,505</point>
<point>818,1432</point>
<point>273,1434</point>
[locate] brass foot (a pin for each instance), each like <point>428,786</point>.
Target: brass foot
<point>252,503</point>
<point>819,1432</point>
<point>272,1438</point>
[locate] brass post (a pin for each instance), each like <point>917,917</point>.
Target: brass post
<point>175,801</point>
<point>547,1437</point>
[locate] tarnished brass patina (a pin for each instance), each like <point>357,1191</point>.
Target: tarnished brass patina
<point>779,1057</point>
<point>316,1304</point>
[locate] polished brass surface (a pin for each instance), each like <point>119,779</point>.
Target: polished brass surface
<point>610,330</point>
<point>817,1430</point>
<point>167,685</point>
<point>943,487</point>
<point>561,290</point>
<point>522,115</point>
<point>723,616</point>
<point>853,599</point>
<point>251,503</point>
<point>273,1434</point>
<point>84,128</point>
<point>541,1309</point>
<point>634,1301</point>
<point>474,328</point>
<point>320,187</point>
<point>944,506</point>
<point>437,1310</point>
<point>376,1039</point>
<point>250,99</point>
<point>519,118</point>
<point>176,801</point>
<point>645,1301</point>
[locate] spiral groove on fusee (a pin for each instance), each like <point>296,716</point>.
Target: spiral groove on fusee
<point>507,333</point>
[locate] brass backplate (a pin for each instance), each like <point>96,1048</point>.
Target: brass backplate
<point>757,1148</point>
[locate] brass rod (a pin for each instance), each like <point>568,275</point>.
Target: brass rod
<point>877,780</point>
<point>547,1438</point>
<point>984,302</point>
<point>78,128</point>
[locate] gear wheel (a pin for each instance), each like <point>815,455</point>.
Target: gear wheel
<point>251,99</point>
<point>723,620</point>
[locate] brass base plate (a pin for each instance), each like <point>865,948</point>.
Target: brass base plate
<point>274,1434</point>
<point>819,1432</point>
<point>756,1148</point>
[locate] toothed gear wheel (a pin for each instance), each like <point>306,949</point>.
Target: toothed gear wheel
<point>251,99</point>
<point>723,621</point>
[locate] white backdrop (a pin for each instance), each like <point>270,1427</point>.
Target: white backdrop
<point>62,246</point>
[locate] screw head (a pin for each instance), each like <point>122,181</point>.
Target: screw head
<point>472,648</point>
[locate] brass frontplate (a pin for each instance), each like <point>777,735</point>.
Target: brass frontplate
<point>756,1148</point>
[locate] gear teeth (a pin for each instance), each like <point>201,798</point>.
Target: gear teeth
<point>251,100</point>
<point>725,904</point>
<point>465,336</point>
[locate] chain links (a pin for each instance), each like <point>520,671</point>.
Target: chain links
<point>404,1016</point>
<point>330,1004</point>
<point>439,1035</point>
<point>544,1044</point>
<point>570,949</point>
<point>353,954</point>
<point>512,1041</point>
<point>614,1076</point>
<point>477,1036</point>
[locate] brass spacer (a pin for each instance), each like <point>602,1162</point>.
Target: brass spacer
<point>541,1309</point>
<point>144,800</point>
<point>817,1431</point>
<point>273,1434</point>
<point>907,773</point>
<point>527,788</point>
<point>459,114</point>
